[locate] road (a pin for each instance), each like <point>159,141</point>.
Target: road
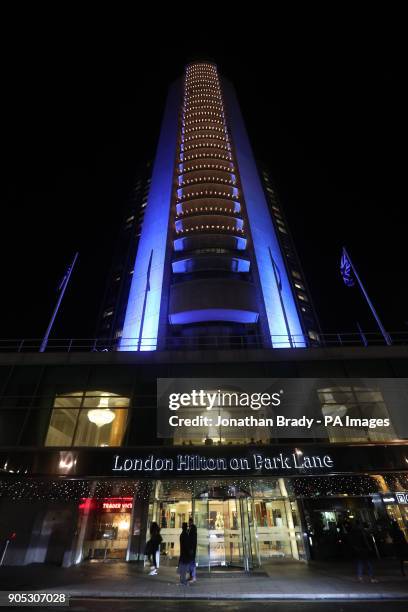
<point>132,605</point>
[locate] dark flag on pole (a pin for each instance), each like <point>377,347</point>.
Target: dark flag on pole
<point>351,277</point>
<point>64,279</point>
<point>61,290</point>
<point>277,274</point>
<point>346,270</point>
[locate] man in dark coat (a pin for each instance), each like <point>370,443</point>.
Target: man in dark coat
<point>185,555</point>
<point>400,545</point>
<point>192,538</point>
<point>363,550</point>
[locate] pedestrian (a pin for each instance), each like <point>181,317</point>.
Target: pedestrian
<point>192,537</point>
<point>185,555</point>
<point>153,546</point>
<point>400,545</point>
<point>363,550</point>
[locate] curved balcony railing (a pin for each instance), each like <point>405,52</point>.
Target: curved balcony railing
<point>200,177</point>
<point>204,135</point>
<point>203,240</point>
<point>205,166</point>
<point>196,106</point>
<point>210,190</point>
<point>210,262</point>
<point>205,146</point>
<point>214,155</point>
<point>207,193</point>
<point>216,206</point>
<point>202,120</point>
<point>209,222</point>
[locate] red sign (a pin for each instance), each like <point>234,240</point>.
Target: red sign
<point>106,504</point>
<point>117,505</point>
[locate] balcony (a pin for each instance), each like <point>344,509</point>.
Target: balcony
<point>219,299</point>
<point>210,240</point>
<point>210,222</point>
<point>210,261</point>
<point>212,206</point>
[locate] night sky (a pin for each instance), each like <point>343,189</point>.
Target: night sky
<point>326,113</point>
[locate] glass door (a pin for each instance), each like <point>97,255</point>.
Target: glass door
<point>217,520</point>
<point>203,536</point>
<point>224,535</point>
<point>247,534</point>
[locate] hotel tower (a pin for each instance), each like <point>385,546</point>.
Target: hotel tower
<point>215,262</point>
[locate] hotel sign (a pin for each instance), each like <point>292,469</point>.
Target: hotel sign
<point>195,462</point>
<point>251,463</point>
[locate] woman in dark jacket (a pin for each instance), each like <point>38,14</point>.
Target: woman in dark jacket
<point>152,547</point>
<point>185,554</point>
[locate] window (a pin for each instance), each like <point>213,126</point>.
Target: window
<point>108,313</point>
<point>302,297</point>
<point>357,403</point>
<point>93,418</point>
<point>296,274</point>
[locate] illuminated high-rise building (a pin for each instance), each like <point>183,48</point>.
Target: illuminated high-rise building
<point>210,262</point>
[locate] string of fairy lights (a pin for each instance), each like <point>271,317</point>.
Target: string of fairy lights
<point>69,490</point>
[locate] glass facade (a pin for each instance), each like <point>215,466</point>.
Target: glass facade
<point>57,420</point>
<point>87,418</point>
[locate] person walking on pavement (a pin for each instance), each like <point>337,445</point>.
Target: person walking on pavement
<point>185,555</point>
<point>400,545</point>
<point>153,546</point>
<point>192,536</point>
<point>363,550</point>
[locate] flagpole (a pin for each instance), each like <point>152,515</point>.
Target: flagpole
<point>61,295</point>
<point>369,302</point>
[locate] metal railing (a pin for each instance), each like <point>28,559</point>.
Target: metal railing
<point>327,340</point>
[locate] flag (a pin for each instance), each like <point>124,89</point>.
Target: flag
<point>278,277</point>
<point>346,270</point>
<point>149,267</point>
<point>64,279</point>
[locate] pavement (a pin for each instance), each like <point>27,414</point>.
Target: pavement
<point>279,581</point>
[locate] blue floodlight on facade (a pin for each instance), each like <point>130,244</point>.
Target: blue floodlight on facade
<point>141,325</point>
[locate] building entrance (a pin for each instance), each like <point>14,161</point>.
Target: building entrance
<point>236,526</point>
<point>224,532</point>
